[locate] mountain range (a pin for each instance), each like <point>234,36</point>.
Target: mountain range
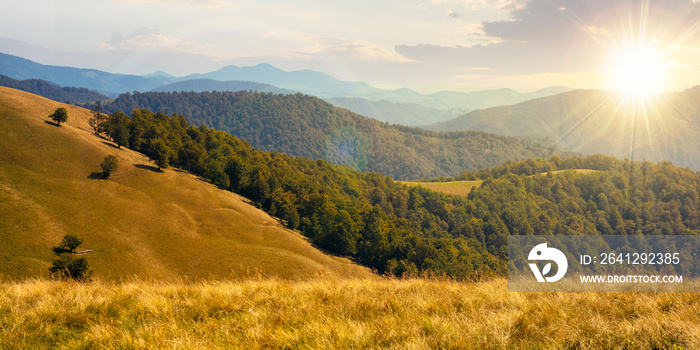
<point>394,106</point>
<point>595,121</point>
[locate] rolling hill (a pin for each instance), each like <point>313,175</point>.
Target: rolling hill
<point>466,101</point>
<point>301,125</point>
<point>409,114</point>
<point>590,121</point>
<point>71,95</point>
<point>141,222</point>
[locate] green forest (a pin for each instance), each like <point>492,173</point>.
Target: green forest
<point>301,125</point>
<point>402,230</point>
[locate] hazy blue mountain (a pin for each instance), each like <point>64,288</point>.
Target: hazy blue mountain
<point>305,81</point>
<point>161,75</point>
<point>405,110</point>
<point>22,69</point>
<point>201,85</point>
<point>410,114</point>
<point>595,121</point>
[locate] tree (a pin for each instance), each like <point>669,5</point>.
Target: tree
<point>60,115</point>
<point>96,119</point>
<point>109,165</point>
<point>117,127</point>
<point>65,266</point>
<point>159,153</point>
<point>70,243</point>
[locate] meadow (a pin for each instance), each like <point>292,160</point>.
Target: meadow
<point>460,188</point>
<point>332,313</point>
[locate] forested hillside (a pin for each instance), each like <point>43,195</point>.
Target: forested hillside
<point>52,91</point>
<point>398,229</point>
<point>301,125</point>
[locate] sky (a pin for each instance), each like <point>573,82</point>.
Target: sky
<point>426,45</point>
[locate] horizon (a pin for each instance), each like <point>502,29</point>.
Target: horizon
<point>643,47</point>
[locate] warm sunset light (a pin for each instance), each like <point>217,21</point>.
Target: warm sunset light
<point>638,73</point>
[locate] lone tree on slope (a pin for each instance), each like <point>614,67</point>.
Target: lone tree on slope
<point>60,115</point>
<point>70,243</point>
<point>109,165</point>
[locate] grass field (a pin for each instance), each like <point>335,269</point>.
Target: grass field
<point>461,188</point>
<point>142,221</point>
<point>338,314</point>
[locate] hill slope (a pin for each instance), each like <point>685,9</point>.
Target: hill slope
<point>301,125</point>
<point>665,128</point>
<point>140,222</point>
<point>409,114</point>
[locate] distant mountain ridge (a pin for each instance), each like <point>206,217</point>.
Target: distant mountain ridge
<point>201,85</point>
<point>385,105</point>
<point>103,82</point>
<point>43,88</point>
<point>409,114</point>
<point>595,121</point>
<point>306,81</point>
<point>466,101</point>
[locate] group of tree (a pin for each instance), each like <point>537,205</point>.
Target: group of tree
<point>66,265</point>
<point>67,94</point>
<point>301,125</point>
<point>396,229</point>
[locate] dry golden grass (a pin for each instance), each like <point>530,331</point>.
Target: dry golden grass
<point>160,225</point>
<point>460,188</point>
<point>338,314</point>
<point>580,171</point>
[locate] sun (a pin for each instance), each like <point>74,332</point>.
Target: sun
<point>638,73</point>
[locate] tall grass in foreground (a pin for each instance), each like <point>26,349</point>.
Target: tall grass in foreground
<point>360,314</point>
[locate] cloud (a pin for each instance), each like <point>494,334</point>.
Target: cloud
<point>452,14</point>
<point>542,36</point>
<point>182,2</point>
<point>347,49</point>
<point>153,38</point>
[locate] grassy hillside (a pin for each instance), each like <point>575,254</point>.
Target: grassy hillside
<point>662,128</point>
<point>140,222</point>
<point>460,188</point>
<point>346,314</point>
<point>306,126</point>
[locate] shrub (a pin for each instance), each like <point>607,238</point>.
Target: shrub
<point>109,165</point>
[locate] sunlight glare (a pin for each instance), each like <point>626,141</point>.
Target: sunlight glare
<point>638,73</point>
